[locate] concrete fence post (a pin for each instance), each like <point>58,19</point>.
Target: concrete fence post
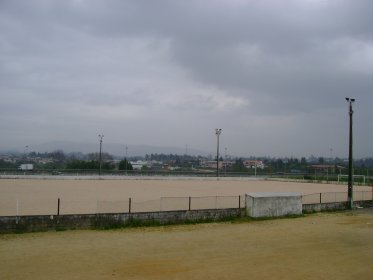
<point>17,210</point>
<point>190,202</point>
<point>320,198</point>
<point>58,206</point>
<point>129,205</point>
<point>17,207</point>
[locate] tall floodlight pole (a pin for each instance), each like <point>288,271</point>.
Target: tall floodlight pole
<point>350,167</point>
<point>26,152</point>
<point>100,136</point>
<point>126,159</point>
<point>217,132</point>
<point>225,163</point>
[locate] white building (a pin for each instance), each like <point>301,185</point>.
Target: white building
<point>253,164</point>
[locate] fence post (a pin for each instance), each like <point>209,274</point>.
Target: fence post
<point>190,202</point>
<point>239,202</point>
<point>320,198</point>
<point>129,205</point>
<point>58,207</point>
<point>17,210</point>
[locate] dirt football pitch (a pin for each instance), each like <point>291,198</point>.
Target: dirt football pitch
<point>39,196</point>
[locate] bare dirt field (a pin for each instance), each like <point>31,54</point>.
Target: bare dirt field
<point>318,246</point>
<point>39,196</point>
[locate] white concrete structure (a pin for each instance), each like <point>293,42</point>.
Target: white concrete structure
<point>26,166</point>
<point>273,204</point>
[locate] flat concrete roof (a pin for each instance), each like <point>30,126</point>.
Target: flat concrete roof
<point>273,194</point>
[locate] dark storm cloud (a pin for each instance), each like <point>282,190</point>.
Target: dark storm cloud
<point>267,72</point>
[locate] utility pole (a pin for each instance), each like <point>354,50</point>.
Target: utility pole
<point>126,159</point>
<point>217,132</point>
<point>100,136</point>
<point>26,153</point>
<point>225,163</point>
<point>350,163</point>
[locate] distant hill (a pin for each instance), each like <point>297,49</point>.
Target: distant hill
<point>111,148</point>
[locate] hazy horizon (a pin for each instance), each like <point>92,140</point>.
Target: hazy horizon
<point>119,150</point>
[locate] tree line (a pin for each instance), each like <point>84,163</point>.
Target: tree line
<point>60,160</point>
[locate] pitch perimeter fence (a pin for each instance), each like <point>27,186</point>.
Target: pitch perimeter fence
<point>329,197</point>
<point>59,206</point>
<point>26,207</point>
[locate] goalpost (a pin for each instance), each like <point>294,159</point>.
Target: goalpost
<point>354,176</point>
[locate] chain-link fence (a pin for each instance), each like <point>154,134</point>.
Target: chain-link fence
<point>330,197</point>
<point>170,204</point>
<point>22,207</point>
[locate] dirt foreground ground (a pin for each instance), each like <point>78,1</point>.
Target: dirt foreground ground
<point>318,246</point>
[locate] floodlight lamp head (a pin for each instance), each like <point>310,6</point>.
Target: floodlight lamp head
<point>350,99</point>
<point>217,131</point>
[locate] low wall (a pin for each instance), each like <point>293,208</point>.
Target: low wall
<point>10,224</point>
<point>319,207</point>
<point>333,206</point>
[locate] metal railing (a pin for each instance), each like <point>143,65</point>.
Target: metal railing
<point>23,207</point>
<point>130,205</point>
<point>330,197</point>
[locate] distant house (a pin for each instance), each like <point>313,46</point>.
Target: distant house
<point>138,165</point>
<point>211,164</point>
<point>253,164</point>
<point>170,167</point>
<point>25,167</point>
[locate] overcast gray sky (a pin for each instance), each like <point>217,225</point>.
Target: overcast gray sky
<point>272,74</point>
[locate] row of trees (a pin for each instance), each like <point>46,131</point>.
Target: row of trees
<point>95,165</point>
<point>274,165</point>
<point>59,160</point>
<point>296,166</point>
